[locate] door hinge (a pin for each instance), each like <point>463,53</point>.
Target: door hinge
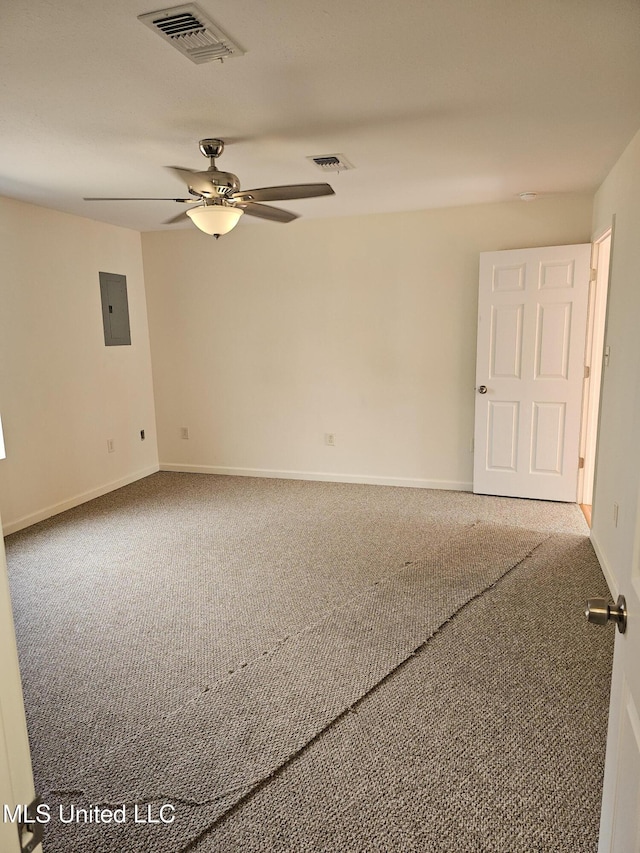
<point>29,827</point>
<point>593,274</point>
<point>587,371</point>
<point>581,462</point>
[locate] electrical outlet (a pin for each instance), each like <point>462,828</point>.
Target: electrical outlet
<point>110,445</point>
<point>184,432</point>
<point>330,439</point>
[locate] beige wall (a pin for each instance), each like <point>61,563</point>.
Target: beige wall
<point>62,392</point>
<point>618,460</point>
<point>365,327</point>
<point>262,342</point>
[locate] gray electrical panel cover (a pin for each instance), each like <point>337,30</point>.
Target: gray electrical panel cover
<point>115,309</point>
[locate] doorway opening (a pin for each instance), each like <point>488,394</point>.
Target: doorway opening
<point>596,356</point>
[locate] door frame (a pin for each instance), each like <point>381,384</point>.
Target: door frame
<point>602,246</point>
<point>16,777</point>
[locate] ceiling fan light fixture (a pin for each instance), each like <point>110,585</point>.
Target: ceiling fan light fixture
<point>215,219</point>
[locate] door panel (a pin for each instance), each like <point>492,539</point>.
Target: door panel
<point>506,341</point>
<point>552,341</point>
<point>620,819</point>
<point>626,834</point>
<point>547,438</point>
<point>532,313</point>
<point>503,447</point>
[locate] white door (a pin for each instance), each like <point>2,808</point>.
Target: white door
<point>16,780</point>
<point>532,319</point>
<point>620,819</point>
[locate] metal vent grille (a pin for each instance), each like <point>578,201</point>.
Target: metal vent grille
<point>192,33</point>
<point>331,162</point>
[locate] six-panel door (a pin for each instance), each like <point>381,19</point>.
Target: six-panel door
<point>532,313</point>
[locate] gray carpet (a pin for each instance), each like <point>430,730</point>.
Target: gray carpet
<point>488,741</point>
<point>180,579</point>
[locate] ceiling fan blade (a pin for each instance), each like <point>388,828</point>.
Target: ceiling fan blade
<point>194,180</point>
<point>283,193</point>
<point>111,198</point>
<point>275,214</point>
<point>183,172</point>
<point>181,217</point>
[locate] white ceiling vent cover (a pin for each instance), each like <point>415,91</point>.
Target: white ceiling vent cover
<point>331,162</point>
<point>192,33</point>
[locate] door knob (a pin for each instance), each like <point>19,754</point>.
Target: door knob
<point>599,612</point>
<point>482,389</point>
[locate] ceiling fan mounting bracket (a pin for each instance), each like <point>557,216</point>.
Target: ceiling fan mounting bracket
<point>211,148</point>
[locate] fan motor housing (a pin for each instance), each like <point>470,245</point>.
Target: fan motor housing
<point>215,183</point>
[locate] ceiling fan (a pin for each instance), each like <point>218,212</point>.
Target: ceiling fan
<point>219,201</point>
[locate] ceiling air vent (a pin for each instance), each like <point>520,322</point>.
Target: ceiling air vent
<point>332,162</point>
<point>192,33</point>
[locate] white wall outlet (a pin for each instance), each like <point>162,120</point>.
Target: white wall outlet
<point>110,445</point>
<point>330,439</point>
<point>184,432</point>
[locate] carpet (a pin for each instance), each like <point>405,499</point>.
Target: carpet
<point>489,740</point>
<point>262,625</point>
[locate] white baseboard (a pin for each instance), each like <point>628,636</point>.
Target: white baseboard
<point>449,485</point>
<point>55,509</point>
<point>606,568</point>
<point>76,500</point>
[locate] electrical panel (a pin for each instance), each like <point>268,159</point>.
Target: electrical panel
<point>115,309</point>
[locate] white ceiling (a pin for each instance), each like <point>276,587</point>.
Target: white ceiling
<point>435,102</point>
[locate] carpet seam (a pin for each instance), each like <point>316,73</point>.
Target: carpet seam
<point>254,786</point>
<point>260,783</point>
<point>176,712</point>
